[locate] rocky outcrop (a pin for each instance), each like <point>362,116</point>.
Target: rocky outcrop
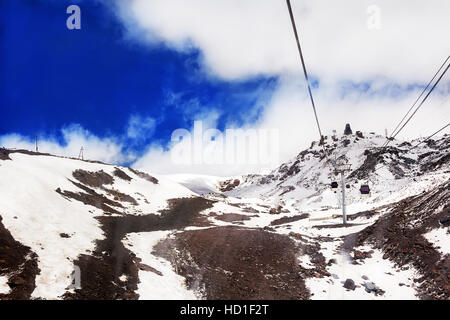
<point>348,130</point>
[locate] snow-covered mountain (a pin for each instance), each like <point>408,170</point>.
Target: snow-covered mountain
<point>72,229</point>
<point>306,179</point>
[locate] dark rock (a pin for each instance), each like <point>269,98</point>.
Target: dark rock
<point>275,210</point>
<point>348,130</point>
<point>93,179</point>
<point>122,175</point>
<point>349,284</point>
<point>229,185</point>
<point>370,286</point>
<point>331,261</point>
<point>346,142</point>
<point>289,219</point>
<point>144,176</point>
<point>145,267</point>
<point>445,221</point>
<point>361,255</point>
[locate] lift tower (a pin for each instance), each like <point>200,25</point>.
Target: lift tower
<point>342,169</point>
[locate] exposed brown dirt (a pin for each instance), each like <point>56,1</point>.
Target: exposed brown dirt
<point>364,214</point>
<point>100,272</point>
<point>93,179</point>
<point>4,154</point>
<point>144,175</point>
<point>284,220</point>
<point>232,217</point>
<point>237,263</point>
<point>119,196</point>
<point>250,210</point>
<point>122,175</point>
<point>89,180</point>
<point>91,197</point>
<point>336,225</point>
<point>19,264</point>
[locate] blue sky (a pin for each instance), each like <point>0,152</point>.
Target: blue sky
<point>139,69</point>
<point>52,77</point>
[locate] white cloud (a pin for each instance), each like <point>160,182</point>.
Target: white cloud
<point>140,128</point>
<point>291,112</point>
<point>239,38</point>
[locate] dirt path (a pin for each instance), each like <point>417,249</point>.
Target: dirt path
<point>237,263</point>
<point>111,271</point>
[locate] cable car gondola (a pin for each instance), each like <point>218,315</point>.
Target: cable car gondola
<point>334,186</point>
<point>365,190</point>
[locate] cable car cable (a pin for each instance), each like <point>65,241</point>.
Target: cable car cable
<point>429,137</point>
<point>424,90</point>
<point>294,28</point>
<point>420,105</point>
<point>303,65</point>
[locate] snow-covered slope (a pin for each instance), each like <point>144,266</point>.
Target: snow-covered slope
<point>126,234</point>
<point>58,228</point>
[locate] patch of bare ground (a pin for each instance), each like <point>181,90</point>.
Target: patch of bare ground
<point>101,272</point>
<point>91,197</point>
<point>233,217</point>
<point>19,264</point>
<point>144,175</point>
<point>364,214</point>
<point>119,196</point>
<point>336,225</point>
<point>399,234</point>
<point>122,175</point>
<point>93,179</point>
<point>237,263</point>
<point>284,220</point>
<point>250,210</point>
<point>4,154</point>
<point>318,263</point>
<point>88,180</point>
